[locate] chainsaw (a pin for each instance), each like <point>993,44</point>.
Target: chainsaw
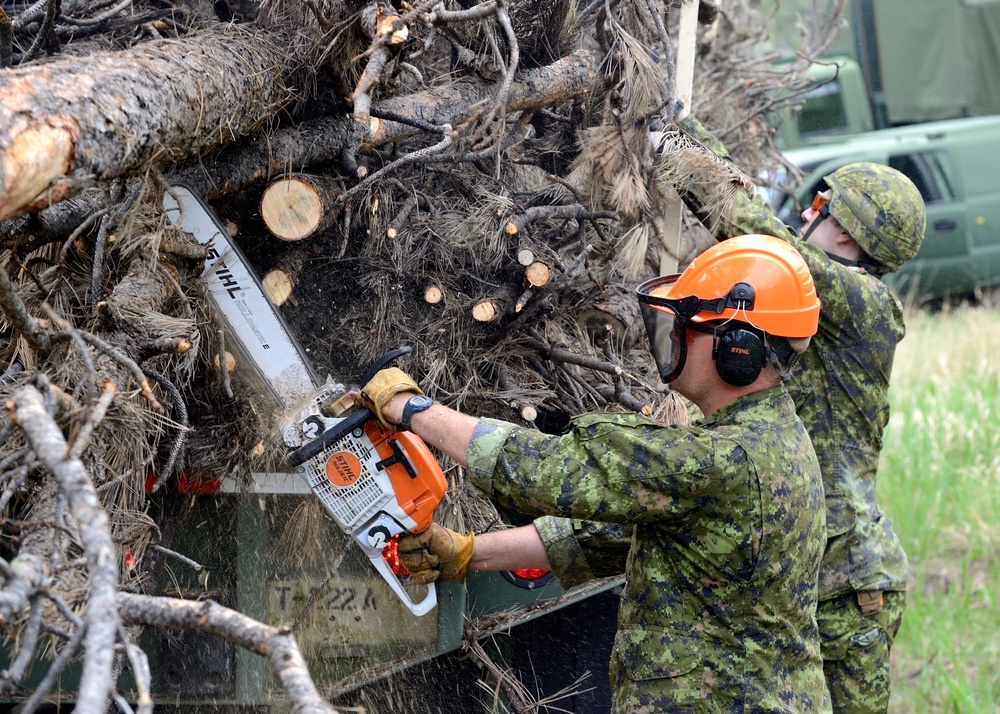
<point>376,483</point>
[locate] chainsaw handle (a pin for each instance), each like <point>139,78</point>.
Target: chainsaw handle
<point>383,362</point>
<point>417,608</point>
<point>334,433</point>
<point>354,421</point>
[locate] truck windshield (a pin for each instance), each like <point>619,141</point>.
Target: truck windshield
<point>823,110</point>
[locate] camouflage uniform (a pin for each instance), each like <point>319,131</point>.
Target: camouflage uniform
<point>727,527</point>
<point>840,387</point>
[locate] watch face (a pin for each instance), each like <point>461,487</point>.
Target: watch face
<point>419,402</point>
<point>414,405</point>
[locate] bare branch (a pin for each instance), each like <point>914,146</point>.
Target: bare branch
<point>45,438</point>
<point>206,617</point>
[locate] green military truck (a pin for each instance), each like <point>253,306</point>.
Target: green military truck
<point>354,631</point>
<point>896,63</point>
<point>910,85</point>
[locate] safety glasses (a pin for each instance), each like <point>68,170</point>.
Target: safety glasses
<point>821,205</point>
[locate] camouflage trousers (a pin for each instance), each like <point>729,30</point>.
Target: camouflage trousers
<point>857,635</point>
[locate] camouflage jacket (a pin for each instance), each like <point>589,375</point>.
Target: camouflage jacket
<point>727,526</point>
<point>840,386</point>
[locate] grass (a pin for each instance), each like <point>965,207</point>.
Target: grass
<point>939,481</point>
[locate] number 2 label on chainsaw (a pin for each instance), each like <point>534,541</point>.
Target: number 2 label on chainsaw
<point>378,537</point>
<point>343,469</point>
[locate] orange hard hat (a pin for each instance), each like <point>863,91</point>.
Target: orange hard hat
<point>782,298</point>
<point>758,280</point>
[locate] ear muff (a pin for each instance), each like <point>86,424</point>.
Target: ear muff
<point>740,354</point>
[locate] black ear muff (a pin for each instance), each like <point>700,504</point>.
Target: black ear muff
<point>740,355</point>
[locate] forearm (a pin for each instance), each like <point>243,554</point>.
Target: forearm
<point>582,550</point>
<point>510,550</point>
<point>441,427</point>
<point>737,210</point>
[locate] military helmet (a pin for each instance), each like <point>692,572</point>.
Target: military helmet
<point>880,209</point>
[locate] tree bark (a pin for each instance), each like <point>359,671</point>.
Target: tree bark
<point>75,120</point>
<point>319,140</point>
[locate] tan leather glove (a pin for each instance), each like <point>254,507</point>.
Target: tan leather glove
<point>386,384</point>
<point>437,553</point>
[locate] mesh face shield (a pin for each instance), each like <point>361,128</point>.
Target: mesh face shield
<point>667,336</point>
<point>666,319</point>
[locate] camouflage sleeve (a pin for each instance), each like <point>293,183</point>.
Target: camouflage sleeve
<point>583,550</point>
<point>612,468</point>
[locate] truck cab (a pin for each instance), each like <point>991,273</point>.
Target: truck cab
<point>835,106</point>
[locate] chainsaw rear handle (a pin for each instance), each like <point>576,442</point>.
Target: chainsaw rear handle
<point>333,434</point>
<point>355,421</point>
<point>420,608</point>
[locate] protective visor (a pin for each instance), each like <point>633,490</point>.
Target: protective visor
<point>666,321</point>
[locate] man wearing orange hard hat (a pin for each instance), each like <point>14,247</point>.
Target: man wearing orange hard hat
<point>724,518</point>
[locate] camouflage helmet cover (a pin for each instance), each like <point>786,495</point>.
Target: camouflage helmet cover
<point>880,209</point>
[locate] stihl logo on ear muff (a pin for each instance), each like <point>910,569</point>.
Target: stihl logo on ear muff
<point>740,354</point>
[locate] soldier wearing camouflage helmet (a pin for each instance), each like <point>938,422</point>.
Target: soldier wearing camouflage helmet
<point>867,223</point>
<point>725,516</point>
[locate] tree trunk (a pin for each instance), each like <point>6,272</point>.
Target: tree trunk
<point>74,120</point>
<point>319,140</point>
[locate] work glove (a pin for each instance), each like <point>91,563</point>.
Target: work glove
<point>437,553</point>
<point>386,384</point>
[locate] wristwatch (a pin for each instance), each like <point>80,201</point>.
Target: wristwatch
<point>414,405</point>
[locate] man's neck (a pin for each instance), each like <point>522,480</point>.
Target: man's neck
<point>711,403</point>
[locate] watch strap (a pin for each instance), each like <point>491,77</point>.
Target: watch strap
<point>414,405</point>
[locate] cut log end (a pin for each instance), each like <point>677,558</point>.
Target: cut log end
<point>537,274</point>
<point>485,311</point>
<point>529,413</point>
<point>433,295</point>
<point>278,286</point>
<point>230,362</point>
<point>292,208</point>
<point>525,257</point>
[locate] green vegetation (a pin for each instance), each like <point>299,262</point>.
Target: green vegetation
<point>940,483</point>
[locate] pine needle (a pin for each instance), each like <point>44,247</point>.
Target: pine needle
<point>686,163</point>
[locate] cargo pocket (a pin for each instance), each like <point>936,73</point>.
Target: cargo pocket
<point>659,669</point>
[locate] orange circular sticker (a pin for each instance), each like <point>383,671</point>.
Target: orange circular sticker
<point>343,468</point>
